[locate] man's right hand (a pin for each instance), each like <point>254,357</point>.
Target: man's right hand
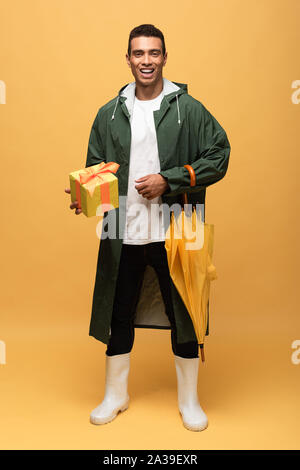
<point>73,205</point>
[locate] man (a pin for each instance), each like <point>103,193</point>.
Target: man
<point>151,129</point>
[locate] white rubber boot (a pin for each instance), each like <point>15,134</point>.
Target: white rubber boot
<point>116,397</point>
<point>193,416</point>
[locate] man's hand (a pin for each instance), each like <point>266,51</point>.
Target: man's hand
<point>73,205</point>
<point>151,186</point>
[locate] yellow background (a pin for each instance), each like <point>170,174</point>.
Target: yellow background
<point>63,59</point>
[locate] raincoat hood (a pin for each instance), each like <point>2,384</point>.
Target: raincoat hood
<point>170,90</point>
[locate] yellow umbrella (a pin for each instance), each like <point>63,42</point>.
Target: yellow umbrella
<point>189,246</point>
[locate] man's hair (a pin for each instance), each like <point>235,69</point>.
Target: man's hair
<point>148,30</point>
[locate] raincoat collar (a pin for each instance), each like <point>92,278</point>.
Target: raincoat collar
<point>171,90</point>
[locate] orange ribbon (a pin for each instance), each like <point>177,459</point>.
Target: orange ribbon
<point>90,177</point>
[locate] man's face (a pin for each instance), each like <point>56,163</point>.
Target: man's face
<point>146,60</point>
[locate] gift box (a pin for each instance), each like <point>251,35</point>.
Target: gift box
<point>95,188</point>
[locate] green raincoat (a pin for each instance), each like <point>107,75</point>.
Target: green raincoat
<point>186,134</point>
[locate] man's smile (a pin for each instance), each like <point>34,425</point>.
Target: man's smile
<point>147,72</point>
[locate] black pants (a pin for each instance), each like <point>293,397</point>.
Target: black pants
<point>134,259</point>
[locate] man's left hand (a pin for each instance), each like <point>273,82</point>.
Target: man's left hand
<point>151,186</point>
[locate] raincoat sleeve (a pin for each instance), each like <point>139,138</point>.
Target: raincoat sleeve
<point>95,153</point>
<point>211,162</point>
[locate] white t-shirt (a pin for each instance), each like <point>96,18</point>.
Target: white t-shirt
<point>144,219</point>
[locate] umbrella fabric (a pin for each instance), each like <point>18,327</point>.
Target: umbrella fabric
<point>189,246</point>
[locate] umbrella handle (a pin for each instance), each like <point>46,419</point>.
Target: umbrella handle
<point>192,180</point>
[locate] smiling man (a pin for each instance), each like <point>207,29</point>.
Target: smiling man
<point>152,128</point>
